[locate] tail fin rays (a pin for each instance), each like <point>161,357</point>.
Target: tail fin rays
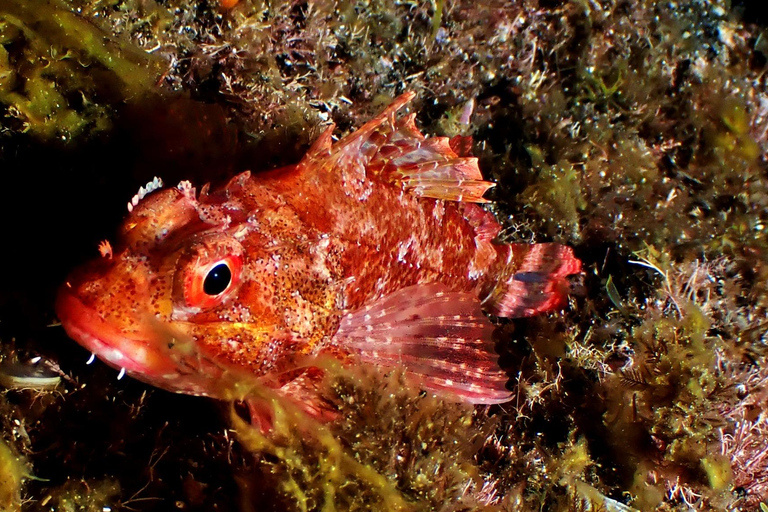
<point>535,280</point>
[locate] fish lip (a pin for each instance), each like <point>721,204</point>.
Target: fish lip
<point>84,325</point>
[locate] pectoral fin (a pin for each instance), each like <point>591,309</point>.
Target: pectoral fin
<point>440,337</point>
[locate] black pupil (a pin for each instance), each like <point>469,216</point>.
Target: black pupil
<point>217,280</point>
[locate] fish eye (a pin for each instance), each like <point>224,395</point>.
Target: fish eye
<point>207,275</point>
<point>217,280</point>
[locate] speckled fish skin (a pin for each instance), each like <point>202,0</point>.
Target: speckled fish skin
<point>379,224</point>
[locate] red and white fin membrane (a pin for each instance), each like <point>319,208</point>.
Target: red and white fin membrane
<point>482,221</point>
<point>440,337</point>
<point>535,280</point>
<point>395,151</point>
<point>428,167</point>
<point>302,392</point>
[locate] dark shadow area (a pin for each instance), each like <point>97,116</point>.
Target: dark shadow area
<point>58,201</point>
<point>751,11</point>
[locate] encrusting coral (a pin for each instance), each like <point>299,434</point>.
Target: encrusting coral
<point>634,131</point>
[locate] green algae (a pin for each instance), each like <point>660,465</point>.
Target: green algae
<point>391,448</point>
<point>83,496</point>
<point>13,471</point>
<point>556,195</point>
<point>62,75</point>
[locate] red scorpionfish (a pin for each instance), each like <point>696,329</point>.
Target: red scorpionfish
<point>370,249</point>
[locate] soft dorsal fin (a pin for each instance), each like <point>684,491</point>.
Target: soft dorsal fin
<point>440,337</point>
<point>395,151</point>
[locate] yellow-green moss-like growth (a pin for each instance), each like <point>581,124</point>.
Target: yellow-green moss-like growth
<point>391,448</point>
<point>13,471</point>
<point>60,76</point>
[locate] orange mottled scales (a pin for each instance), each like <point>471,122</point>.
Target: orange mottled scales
<point>371,248</point>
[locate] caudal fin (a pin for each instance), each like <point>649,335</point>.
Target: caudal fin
<point>534,280</point>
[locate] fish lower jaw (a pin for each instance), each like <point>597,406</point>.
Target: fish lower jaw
<point>113,357</point>
<point>133,356</point>
<point>142,359</point>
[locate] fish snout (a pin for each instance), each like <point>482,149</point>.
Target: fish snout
<point>104,319</point>
<point>116,323</point>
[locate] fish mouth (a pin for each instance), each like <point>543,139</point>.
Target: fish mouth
<point>139,356</point>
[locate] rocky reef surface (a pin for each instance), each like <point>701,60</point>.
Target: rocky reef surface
<point>635,131</point>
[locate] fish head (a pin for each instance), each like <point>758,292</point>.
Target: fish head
<point>164,304</point>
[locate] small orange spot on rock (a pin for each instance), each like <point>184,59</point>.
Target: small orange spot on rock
<point>228,4</point>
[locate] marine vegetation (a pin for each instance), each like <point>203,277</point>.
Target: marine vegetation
<point>633,131</point>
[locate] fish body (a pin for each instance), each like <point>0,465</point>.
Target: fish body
<point>371,248</point>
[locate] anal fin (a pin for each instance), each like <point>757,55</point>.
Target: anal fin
<point>441,338</point>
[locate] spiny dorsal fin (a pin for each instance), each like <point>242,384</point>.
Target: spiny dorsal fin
<point>321,148</point>
<point>396,152</point>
